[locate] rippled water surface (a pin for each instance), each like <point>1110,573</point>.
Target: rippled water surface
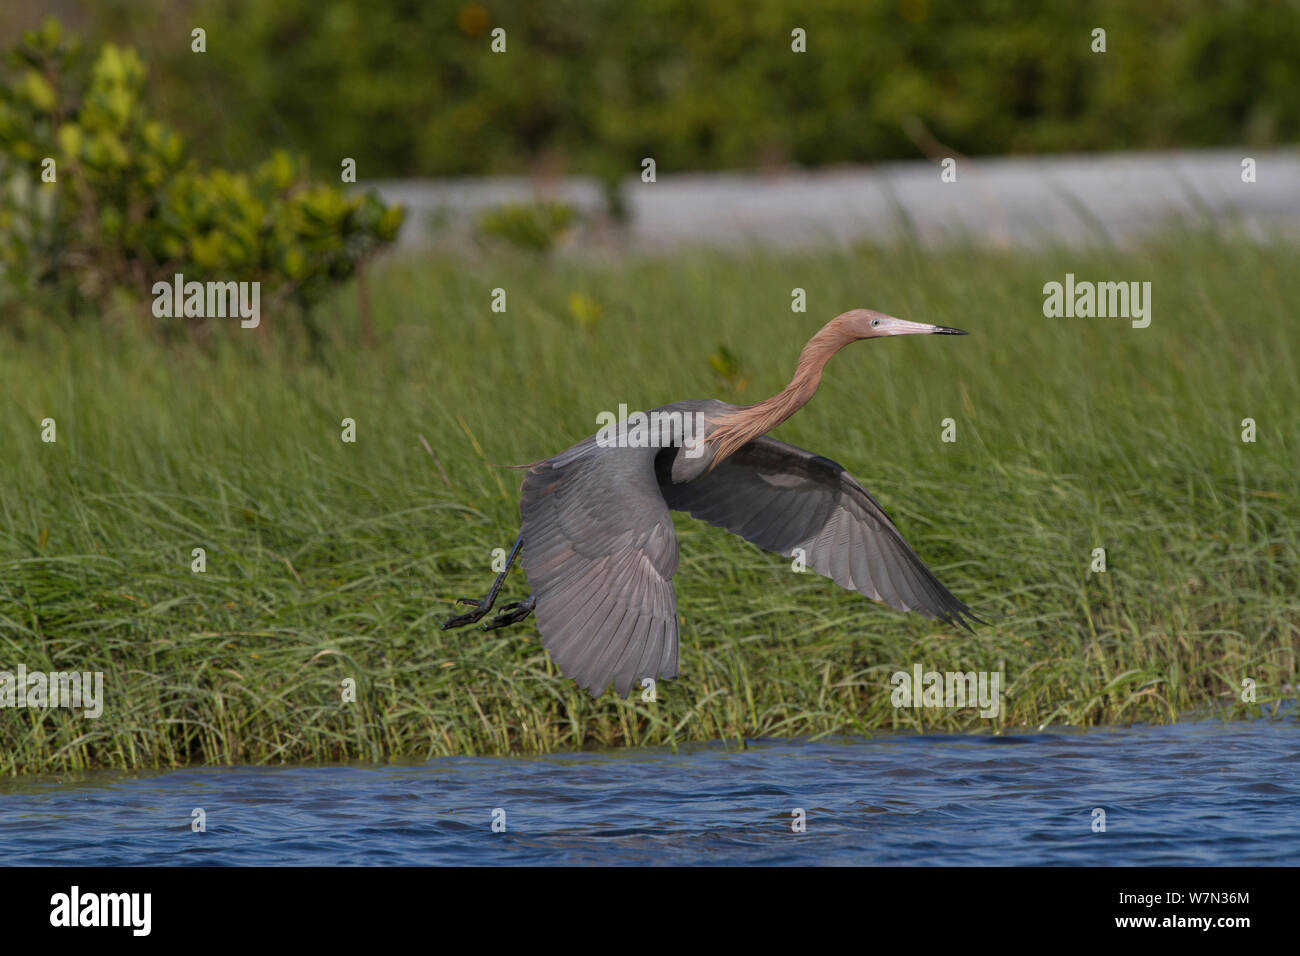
<point>1191,793</point>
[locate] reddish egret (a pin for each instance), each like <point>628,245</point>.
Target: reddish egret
<point>598,542</point>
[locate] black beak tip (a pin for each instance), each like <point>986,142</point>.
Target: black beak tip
<point>944,330</point>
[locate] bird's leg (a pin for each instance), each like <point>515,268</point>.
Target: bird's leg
<point>482,607</point>
<point>513,614</point>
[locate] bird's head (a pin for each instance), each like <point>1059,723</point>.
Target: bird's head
<point>870,324</point>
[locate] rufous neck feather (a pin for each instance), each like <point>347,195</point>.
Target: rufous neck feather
<point>736,428</point>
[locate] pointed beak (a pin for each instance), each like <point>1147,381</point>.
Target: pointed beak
<point>892,326</point>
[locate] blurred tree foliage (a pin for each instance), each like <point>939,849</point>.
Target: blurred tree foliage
<point>411,87</point>
<point>97,197</point>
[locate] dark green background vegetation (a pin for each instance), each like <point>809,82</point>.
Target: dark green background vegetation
<point>410,88</point>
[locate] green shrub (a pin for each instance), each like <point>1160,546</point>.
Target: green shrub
<point>535,227</point>
<point>97,198</point>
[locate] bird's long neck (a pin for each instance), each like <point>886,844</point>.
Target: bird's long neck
<point>736,428</point>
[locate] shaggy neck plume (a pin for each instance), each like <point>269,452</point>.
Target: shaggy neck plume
<point>734,429</point>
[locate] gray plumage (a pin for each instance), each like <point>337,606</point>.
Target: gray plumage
<point>600,550</point>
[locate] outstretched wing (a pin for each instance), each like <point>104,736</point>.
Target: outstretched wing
<point>781,498</point>
<point>600,553</point>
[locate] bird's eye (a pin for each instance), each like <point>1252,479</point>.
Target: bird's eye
<point>875,323</point>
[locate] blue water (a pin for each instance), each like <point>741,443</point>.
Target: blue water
<point>1191,793</point>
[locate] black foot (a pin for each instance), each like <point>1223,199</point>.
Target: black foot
<point>514,613</point>
<point>470,617</point>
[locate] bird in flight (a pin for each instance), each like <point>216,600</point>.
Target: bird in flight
<point>599,547</point>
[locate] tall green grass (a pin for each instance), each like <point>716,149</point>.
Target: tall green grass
<point>328,561</point>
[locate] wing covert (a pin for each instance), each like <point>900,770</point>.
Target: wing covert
<point>783,498</point>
